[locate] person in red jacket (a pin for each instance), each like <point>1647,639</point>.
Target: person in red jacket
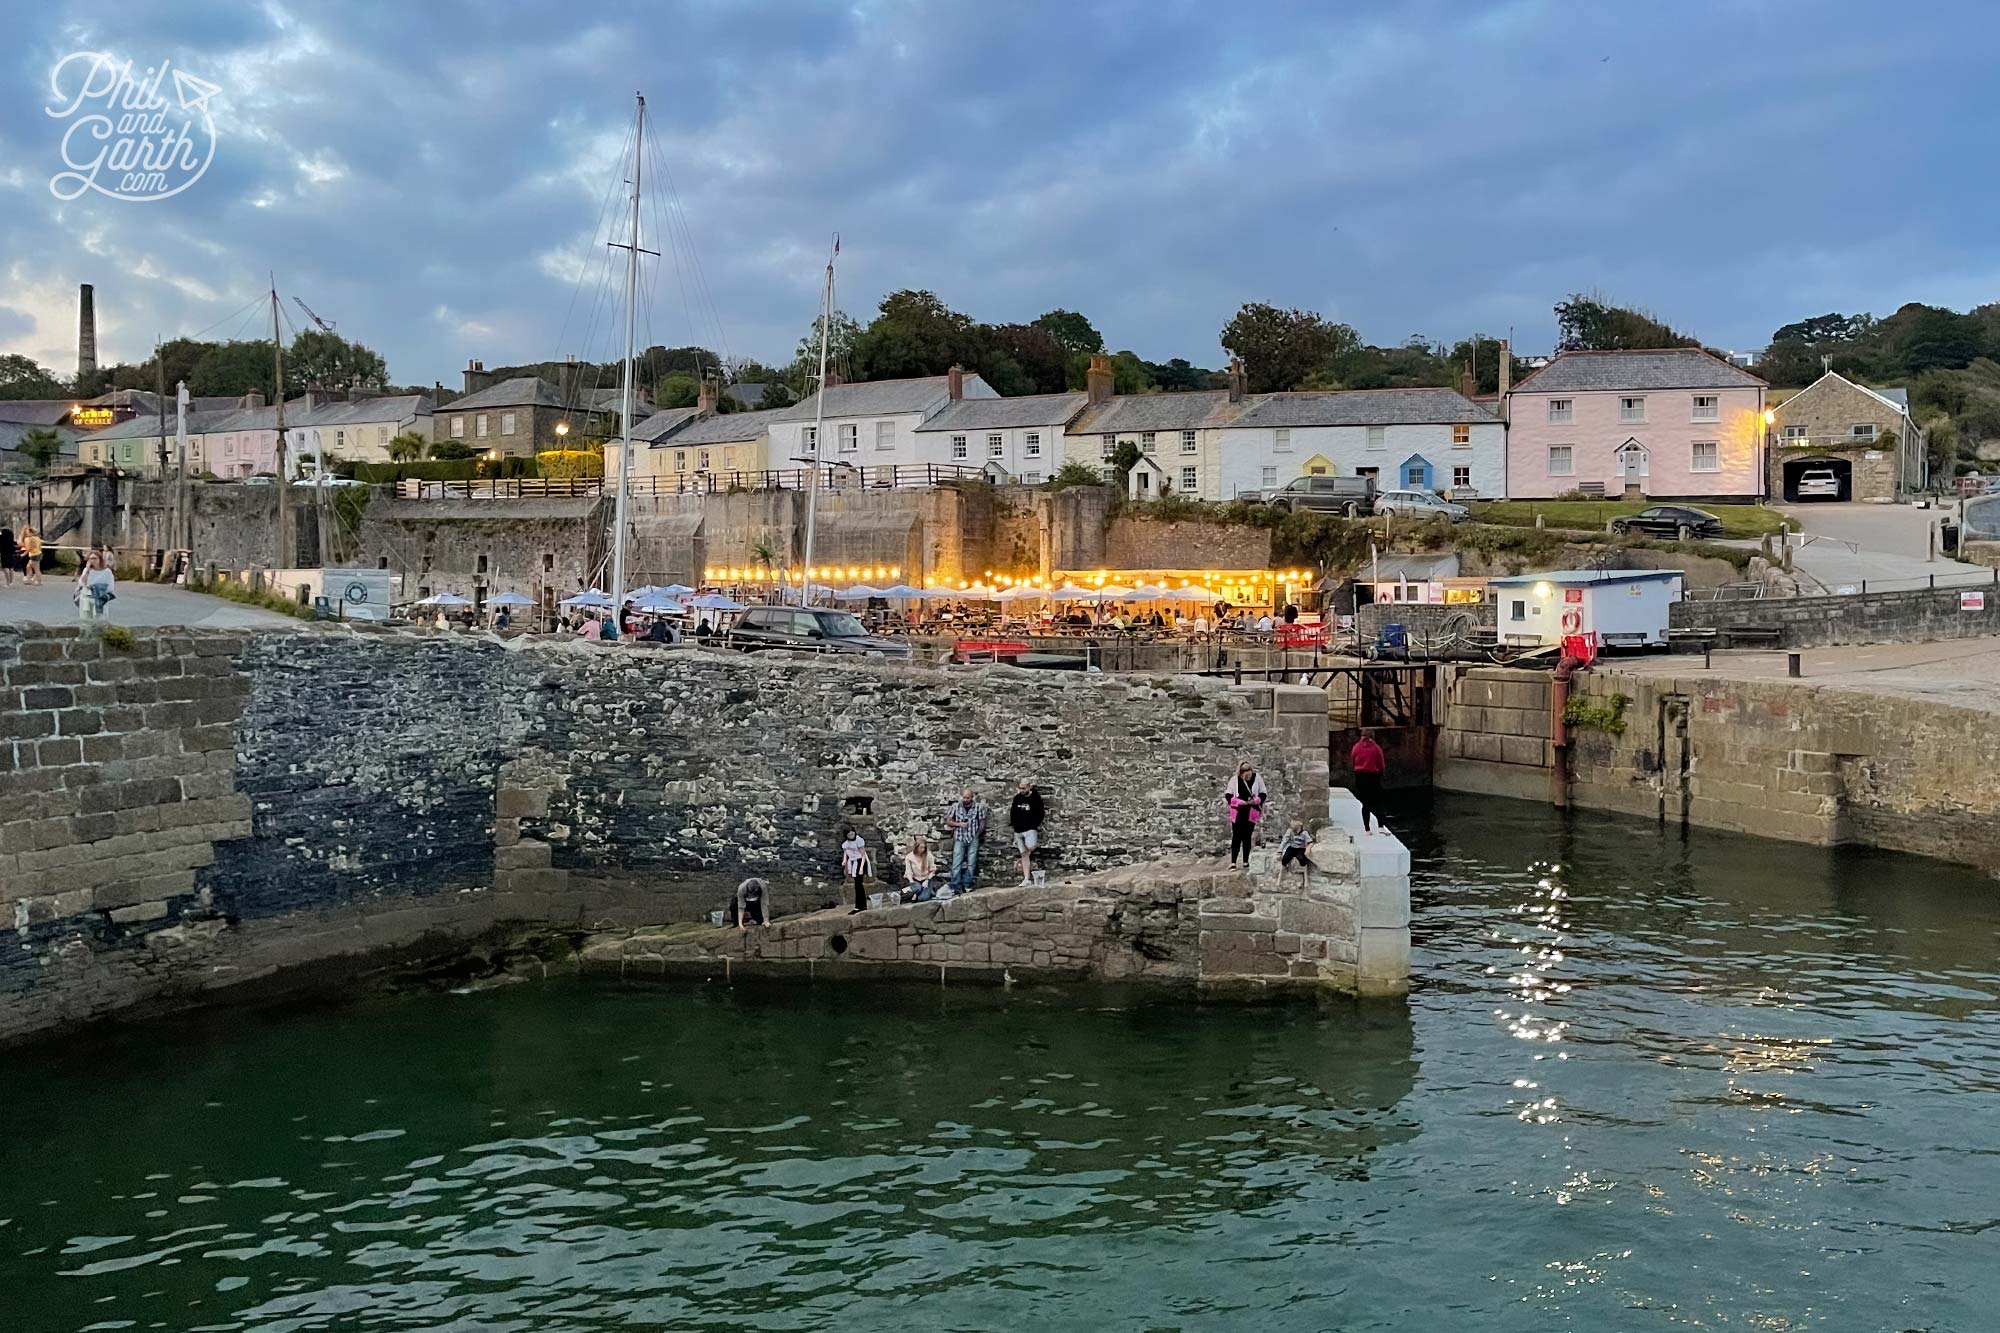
<point>1368,761</point>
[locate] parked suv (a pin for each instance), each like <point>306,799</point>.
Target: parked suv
<point>809,629</point>
<point>1670,521</point>
<point>1352,496</point>
<point>1819,483</point>
<point>1420,504</point>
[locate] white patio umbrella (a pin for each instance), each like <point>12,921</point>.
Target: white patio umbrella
<point>1069,592</point>
<point>1150,592</point>
<point>595,597</point>
<point>902,590</point>
<point>675,589</point>
<point>661,606</point>
<point>1019,595</point>
<point>1190,595</point>
<point>859,592</point>
<point>511,599</point>
<point>1114,590</point>
<point>443,599</point>
<point>715,601</point>
<point>935,592</point>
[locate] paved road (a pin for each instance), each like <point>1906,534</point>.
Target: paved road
<point>1891,542</point>
<point>1965,672</point>
<point>136,604</point>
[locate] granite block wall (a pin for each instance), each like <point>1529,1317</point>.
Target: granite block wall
<point>187,811</point>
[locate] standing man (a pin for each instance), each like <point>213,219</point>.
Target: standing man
<point>966,818</point>
<point>1024,816</point>
<point>1368,762</point>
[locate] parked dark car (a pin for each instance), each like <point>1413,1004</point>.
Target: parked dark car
<point>812,630</point>
<point>1352,496</point>
<point>1670,521</point>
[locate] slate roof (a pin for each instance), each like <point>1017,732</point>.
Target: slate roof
<point>664,422</point>
<point>734,428</point>
<point>1130,414</point>
<point>1363,407</point>
<point>1035,409</point>
<point>877,398</point>
<point>534,391</point>
<point>13,432</point>
<point>1581,577</point>
<point>36,411</point>
<point>1664,368</point>
<point>393,407</point>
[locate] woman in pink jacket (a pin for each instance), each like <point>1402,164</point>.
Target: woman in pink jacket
<point>1242,809</point>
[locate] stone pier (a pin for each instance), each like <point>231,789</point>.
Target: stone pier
<point>1344,927</point>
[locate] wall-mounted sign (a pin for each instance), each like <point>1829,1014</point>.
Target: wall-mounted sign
<point>1972,601</point>
<point>1572,594</point>
<point>1463,596</point>
<point>91,418</point>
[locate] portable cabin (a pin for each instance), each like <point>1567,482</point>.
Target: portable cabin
<point>1614,608</point>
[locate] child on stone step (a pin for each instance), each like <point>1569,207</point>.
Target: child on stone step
<point>1297,847</point>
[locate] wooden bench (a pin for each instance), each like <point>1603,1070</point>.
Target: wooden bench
<point>1752,636</point>
<point>1690,640</point>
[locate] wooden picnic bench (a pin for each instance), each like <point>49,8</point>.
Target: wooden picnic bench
<point>1751,636</point>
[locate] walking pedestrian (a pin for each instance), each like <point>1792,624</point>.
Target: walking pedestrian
<point>95,585</point>
<point>920,870</point>
<point>1243,808</point>
<point>1368,763</point>
<point>854,863</point>
<point>7,553</point>
<point>1024,816</point>
<point>753,898</point>
<point>966,818</point>
<point>31,554</point>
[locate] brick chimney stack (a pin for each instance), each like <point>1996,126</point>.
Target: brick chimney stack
<point>1506,373</point>
<point>86,335</point>
<point>255,398</point>
<point>705,404</point>
<point>1467,385</point>
<point>1098,380</point>
<point>955,380</point>
<point>476,377</point>
<point>1238,382</point>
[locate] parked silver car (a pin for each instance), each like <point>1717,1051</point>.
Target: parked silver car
<point>1420,504</point>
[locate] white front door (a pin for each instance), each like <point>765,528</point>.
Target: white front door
<point>1635,466</point>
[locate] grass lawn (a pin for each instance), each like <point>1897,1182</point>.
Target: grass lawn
<point>1593,515</point>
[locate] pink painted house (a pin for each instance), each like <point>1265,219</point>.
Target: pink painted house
<point>1673,424</point>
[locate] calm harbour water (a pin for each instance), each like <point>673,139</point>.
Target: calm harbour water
<point>1646,1082</point>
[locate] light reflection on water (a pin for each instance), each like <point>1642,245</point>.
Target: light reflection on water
<point>1645,1083</point>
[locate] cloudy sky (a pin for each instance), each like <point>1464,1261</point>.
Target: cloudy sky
<point>431,176</point>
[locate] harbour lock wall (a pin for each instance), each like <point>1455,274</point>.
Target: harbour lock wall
<point>1801,762</point>
<point>185,812</point>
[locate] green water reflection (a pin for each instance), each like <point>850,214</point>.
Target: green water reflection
<point>1645,1082</point>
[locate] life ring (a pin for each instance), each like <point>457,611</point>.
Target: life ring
<point>1572,620</point>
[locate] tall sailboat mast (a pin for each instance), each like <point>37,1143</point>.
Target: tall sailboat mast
<point>819,426</point>
<point>618,521</point>
<point>288,553</point>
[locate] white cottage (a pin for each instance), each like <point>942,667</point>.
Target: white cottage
<point>1011,439</point>
<point>874,424</point>
<point>1421,439</point>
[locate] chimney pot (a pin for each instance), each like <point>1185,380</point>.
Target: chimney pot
<point>1467,386</point>
<point>955,379</point>
<point>1099,380</point>
<point>1237,379</point>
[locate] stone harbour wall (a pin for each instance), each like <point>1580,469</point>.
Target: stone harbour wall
<point>183,812</point>
<point>1962,610</point>
<point>1345,926</point>
<point>1797,761</point>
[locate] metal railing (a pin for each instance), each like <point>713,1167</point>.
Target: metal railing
<point>834,478</point>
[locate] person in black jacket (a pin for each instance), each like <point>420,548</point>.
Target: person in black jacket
<point>1024,816</point>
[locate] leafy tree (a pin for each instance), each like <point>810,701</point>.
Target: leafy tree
<point>1924,337</point>
<point>1123,459</point>
<point>232,369</point>
<point>915,334</point>
<point>1129,374</point>
<point>1024,354</point>
<point>1178,375</point>
<point>1075,472</point>
<point>658,363</point>
<point>1073,331</point>
<point>407,447</point>
<point>42,446</point>
<point>775,395</point>
<point>326,361</point>
<point>1789,364</point>
<point>1281,347</point>
<point>446,450</point>
<point>1592,323</point>
<point>842,333</point>
<point>678,390</point>
<point>1484,354</point>
<point>1828,328</point>
<point>22,377</point>
<point>1943,440</point>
